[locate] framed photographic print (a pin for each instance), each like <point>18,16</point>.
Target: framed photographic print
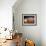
<point>29,19</point>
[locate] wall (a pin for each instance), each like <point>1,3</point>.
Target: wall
<point>28,7</point>
<point>43,22</point>
<point>6,13</point>
<point>6,16</point>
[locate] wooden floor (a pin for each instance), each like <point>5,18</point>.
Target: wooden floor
<point>16,41</point>
<point>9,43</point>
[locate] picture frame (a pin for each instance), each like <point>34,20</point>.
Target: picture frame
<point>29,19</point>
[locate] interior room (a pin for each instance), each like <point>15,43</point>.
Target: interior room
<point>22,22</point>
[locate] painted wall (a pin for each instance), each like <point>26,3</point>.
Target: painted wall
<point>6,13</point>
<point>43,22</point>
<point>28,7</point>
<point>6,16</point>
